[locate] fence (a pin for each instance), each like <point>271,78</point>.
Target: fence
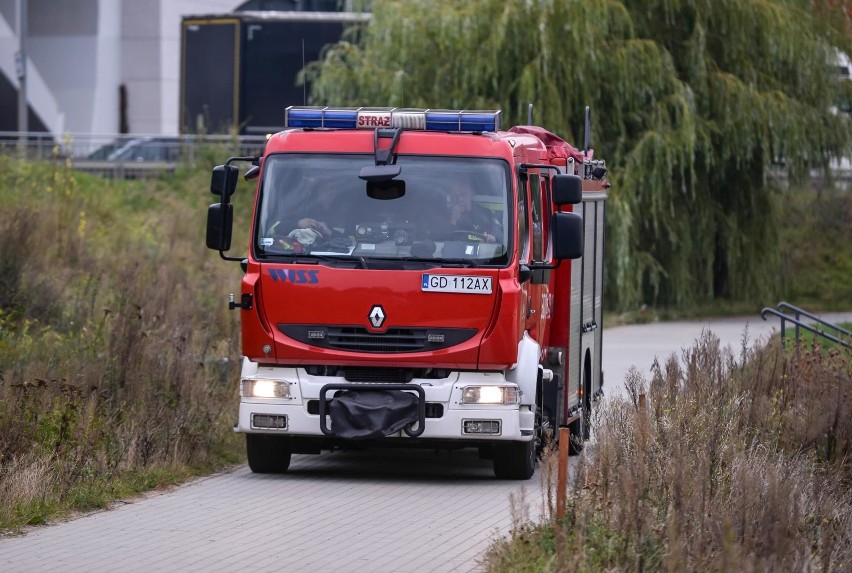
<point>125,156</point>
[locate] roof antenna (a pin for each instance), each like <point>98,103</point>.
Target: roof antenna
<point>587,139</point>
<point>529,115</point>
<point>304,82</point>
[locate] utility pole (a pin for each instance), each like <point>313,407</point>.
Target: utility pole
<point>21,65</point>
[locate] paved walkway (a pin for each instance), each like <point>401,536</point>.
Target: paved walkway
<point>638,344</point>
<point>374,511</point>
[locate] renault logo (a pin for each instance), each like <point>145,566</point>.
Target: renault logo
<point>377,316</point>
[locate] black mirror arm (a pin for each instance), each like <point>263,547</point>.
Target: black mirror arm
<point>253,171</point>
<point>386,156</point>
<point>227,258</point>
<point>226,200</point>
<point>250,158</point>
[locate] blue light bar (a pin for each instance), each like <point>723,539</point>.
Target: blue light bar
<point>462,121</point>
<point>321,117</point>
<point>372,118</point>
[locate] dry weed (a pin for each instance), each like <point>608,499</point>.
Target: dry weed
<point>114,354</point>
<point>735,463</point>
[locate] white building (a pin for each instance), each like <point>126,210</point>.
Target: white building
<point>81,52</point>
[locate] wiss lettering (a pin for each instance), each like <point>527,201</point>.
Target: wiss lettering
<point>295,277</point>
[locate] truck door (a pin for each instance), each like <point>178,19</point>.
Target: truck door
<point>524,250</point>
<point>538,284</point>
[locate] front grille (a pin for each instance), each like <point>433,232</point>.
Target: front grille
<point>393,340</point>
<point>386,375</point>
<point>359,339</point>
<point>377,374</point>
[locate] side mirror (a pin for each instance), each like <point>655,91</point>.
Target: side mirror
<point>220,222</point>
<point>224,181</point>
<point>567,189</point>
<point>567,237</point>
<point>252,173</point>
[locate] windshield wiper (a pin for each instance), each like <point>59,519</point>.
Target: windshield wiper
<point>369,262</point>
<point>442,262</point>
<point>312,259</point>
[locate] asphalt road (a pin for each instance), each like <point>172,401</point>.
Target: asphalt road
<point>638,345</point>
<point>374,511</point>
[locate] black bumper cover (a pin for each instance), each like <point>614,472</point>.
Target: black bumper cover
<point>368,411</point>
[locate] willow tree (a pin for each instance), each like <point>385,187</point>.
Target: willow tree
<point>694,101</point>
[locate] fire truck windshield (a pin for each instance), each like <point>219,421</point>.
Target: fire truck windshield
<point>453,210</point>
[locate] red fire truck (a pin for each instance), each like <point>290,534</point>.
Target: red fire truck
<point>416,278</point>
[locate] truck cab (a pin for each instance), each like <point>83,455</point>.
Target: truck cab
<point>413,279</point>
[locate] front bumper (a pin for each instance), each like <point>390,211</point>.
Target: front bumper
<point>299,415</point>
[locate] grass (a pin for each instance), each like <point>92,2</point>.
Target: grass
<point>737,463</point>
<point>118,357</point>
<point>808,338</point>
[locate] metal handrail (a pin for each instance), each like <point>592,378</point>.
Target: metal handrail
<point>802,312</point>
<point>799,324</point>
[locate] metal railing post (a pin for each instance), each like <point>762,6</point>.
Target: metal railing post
<point>799,324</point>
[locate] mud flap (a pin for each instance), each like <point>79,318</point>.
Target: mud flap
<point>363,412</point>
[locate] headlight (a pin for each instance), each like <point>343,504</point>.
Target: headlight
<point>490,395</point>
<point>260,388</point>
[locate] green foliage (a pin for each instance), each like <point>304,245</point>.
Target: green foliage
<point>693,99</point>
<point>815,235</point>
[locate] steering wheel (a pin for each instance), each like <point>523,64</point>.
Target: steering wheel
<point>470,235</point>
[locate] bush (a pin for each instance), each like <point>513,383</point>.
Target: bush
<point>815,226</point>
<point>118,359</point>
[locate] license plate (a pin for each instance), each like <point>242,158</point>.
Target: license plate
<point>456,283</point>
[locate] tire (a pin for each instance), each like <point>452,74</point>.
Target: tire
<point>581,429</point>
<point>544,431</point>
<point>514,460</point>
<point>267,454</point>
<point>578,433</point>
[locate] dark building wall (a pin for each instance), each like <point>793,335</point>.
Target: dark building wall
<point>239,71</point>
<point>271,61</point>
<point>208,75</point>
<point>9,109</point>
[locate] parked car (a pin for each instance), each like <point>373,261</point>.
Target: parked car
<point>103,152</point>
<point>165,149</point>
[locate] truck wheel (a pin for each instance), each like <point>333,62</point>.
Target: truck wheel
<point>514,460</point>
<point>587,418</point>
<point>267,454</point>
<point>578,433</point>
<point>581,428</point>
